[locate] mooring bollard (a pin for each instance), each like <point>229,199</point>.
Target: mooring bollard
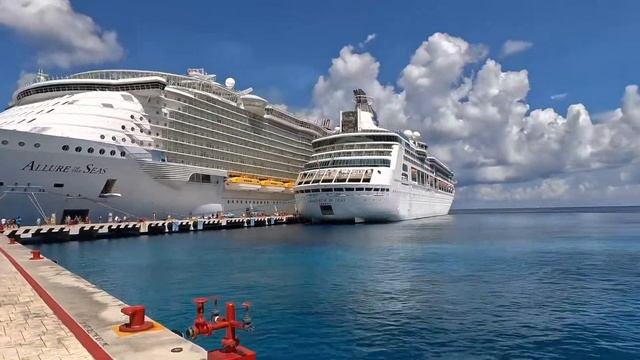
<point>35,255</point>
<point>136,319</point>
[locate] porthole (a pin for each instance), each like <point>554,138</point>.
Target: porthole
<point>141,131</point>
<point>90,150</point>
<point>123,127</point>
<point>78,148</point>
<point>5,142</point>
<point>101,151</point>
<point>124,140</point>
<point>112,153</point>
<point>102,137</point>
<point>133,129</point>
<point>65,147</point>
<point>113,138</point>
<point>123,154</point>
<point>21,143</point>
<point>132,117</point>
<point>36,145</point>
<point>141,118</point>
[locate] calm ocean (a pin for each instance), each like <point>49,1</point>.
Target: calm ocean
<point>482,285</point>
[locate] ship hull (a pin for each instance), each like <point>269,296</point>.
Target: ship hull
<point>38,182</point>
<point>402,202</point>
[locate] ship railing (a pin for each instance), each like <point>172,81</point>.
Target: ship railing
<point>205,85</point>
<point>281,114</point>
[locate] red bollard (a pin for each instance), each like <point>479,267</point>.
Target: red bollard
<point>35,255</point>
<point>136,319</point>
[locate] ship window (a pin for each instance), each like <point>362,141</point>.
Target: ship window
<point>21,143</point>
<point>315,190</point>
<point>102,137</point>
<point>107,105</point>
<point>123,154</point>
<point>127,97</point>
<point>123,127</point>
<point>1,183</point>
<point>36,145</point>
<point>132,117</point>
<point>90,150</point>
<point>112,153</point>
<point>327,190</point>
<point>78,148</point>
<point>200,178</point>
<point>50,110</point>
<point>359,189</point>
<point>32,120</point>
<point>101,151</point>
<point>338,189</point>
<point>133,129</point>
<point>368,189</point>
<point>348,189</point>
<point>58,185</point>
<point>65,147</point>
<point>5,142</point>
<point>113,138</point>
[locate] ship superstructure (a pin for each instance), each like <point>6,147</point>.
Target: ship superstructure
<point>145,143</point>
<point>366,173</point>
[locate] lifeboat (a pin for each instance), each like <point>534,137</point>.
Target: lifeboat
<point>288,186</point>
<point>272,185</point>
<point>242,183</point>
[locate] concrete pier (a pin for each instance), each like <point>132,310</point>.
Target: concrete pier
<point>53,233</point>
<point>47,312</point>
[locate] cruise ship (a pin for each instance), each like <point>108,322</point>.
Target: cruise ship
<point>146,144</point>
<point>365,173</point>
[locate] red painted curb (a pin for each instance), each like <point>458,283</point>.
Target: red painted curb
<point>78,331</point>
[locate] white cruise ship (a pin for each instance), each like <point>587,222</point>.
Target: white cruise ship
<point>366,173</point>
<point>146,144</point>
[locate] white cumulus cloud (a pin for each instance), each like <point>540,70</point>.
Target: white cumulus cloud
<point>61,36</point>
<point>511,47</point>
<point>369,39</point>
<point>558,97</point>
<point>480,123</point>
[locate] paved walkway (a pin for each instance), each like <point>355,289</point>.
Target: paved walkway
<point>29,330</point>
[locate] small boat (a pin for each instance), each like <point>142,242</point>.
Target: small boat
<point>242,183</point>
<point>272,185</point>
<point>288,186</point>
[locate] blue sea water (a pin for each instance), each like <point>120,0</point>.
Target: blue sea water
<point>482,285</point>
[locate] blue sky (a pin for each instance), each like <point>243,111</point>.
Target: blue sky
<point>583,48</point>
<point>439,67</point>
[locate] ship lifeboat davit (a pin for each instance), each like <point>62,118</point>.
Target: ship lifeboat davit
<point>243,183</point>
<point>272,186</point>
